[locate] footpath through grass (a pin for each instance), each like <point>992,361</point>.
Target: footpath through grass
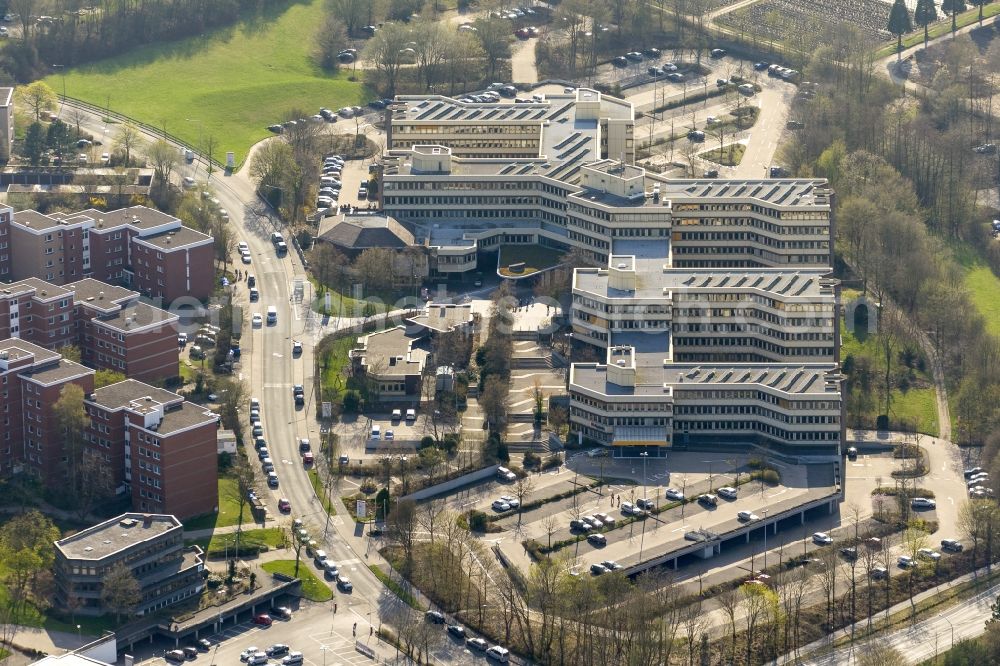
<point>229,83</point>
<point>313,588</point>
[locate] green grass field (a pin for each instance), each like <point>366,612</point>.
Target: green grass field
<point>983,286</point>
<point>939,28</point>
<point>916,405</point>
<point>229,83</point>
<point>228,510</point>
<point>312,587</point>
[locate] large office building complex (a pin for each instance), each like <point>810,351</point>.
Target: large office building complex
<point>715,318</point>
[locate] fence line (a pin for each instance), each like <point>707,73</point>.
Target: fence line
<point>151,129</point>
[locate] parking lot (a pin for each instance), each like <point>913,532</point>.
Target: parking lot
<point>356,434</point>
<point>629,542</point>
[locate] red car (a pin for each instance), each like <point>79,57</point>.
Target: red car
<point>284,505</point>
<point>263,619</point>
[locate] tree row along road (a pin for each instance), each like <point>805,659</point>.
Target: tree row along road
<point>267,365</point>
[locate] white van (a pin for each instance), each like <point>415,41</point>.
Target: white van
<point>376,431</point>
<point>498,653</point>
<point>272,314</point>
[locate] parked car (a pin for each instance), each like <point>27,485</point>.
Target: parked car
<point>344,583</point>
<point>922,503</point>
<point>822,539</point>
<point>174,655</point>
<point>879,573</point>
<point>597,539</point>
<point>499,654</point>
<point>500,506</point>
<point>953,545</point>
<point>747,516</point>
<point>277,650</point>
<point>598,569</point>
<point>263,619</point>
<point>611,565</point>
<point>905,562</point>
<point>849,553</point>
<point>728,492</point>
<point>456,630</point>
<point>674,494</point>
<point>435,616</point>
<point>477,643</point>
<point>620,61</point>
<point>284,505</point>
<point>708,499</point>
<point>929,554</point>
<point>284,612</point>
<point>718,53</point>
<point>852,453</point>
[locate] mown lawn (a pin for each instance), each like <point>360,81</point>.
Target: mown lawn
<point>727,156</point>
<point>983,285</point>
<point>941,27</point>
<point>312,587</point>
<point>916,405</point>
<point>229,83</point>
<point>229,510</point>
<point>274,537</point>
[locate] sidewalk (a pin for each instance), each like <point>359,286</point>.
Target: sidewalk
<point>859,627</point>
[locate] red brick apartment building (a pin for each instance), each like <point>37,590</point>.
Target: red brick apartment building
<point>31,379</point>
<point>137,247</point>
<point>157,447</point>
<point>111,327</point>
<point>161,448</point>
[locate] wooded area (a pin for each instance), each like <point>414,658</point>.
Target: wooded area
<point>71,32</point>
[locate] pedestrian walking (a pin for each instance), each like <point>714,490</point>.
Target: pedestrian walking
<point>354,631</point>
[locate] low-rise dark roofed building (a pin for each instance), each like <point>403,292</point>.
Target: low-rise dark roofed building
<point>356,233</point>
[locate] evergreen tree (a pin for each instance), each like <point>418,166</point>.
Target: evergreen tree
<point>34,143</point>
<point>899,23</point>
<point>924,14</point>
<point>980,4</point>
<point>953,7</point>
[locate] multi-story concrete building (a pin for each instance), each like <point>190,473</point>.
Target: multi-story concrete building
<point>503,130</point>
<point>461,207</point>
<point>110,326</point>
<point>161,449</point>
<point>136,246</point>
<point>715,318</point>
<point>32,380</point>
<point>727,357</point>
<point>150,545</point>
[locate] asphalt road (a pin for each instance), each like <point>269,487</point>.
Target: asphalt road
<point>925,639</point>
<point>270,372</point>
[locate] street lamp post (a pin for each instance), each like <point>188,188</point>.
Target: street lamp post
<point>952,629</point>
<point>764,511</point>
<point>62,102</point>
<point>201,132</point>
<point>709,463</point>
